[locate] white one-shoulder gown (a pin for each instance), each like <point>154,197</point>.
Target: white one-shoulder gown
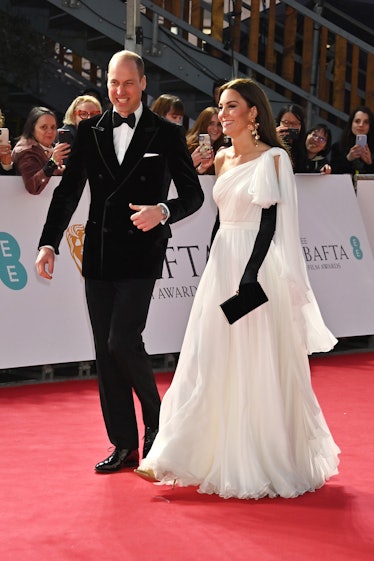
<point>240,418</point>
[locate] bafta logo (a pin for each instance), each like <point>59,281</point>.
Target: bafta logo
<point>75,237</point>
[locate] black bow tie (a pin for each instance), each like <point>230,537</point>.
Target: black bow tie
<point>118,120</point>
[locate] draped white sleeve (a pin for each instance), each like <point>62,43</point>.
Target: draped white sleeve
<point>269,188</point>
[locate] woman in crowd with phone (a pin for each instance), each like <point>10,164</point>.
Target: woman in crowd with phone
<point>207,123</point>
<point>354,152</point>
<point>317,147</point>
<point>240,418</point>
<point>6,163</point>
<point>81,108</point>
<point>36,156</point>
<point>290,127</point>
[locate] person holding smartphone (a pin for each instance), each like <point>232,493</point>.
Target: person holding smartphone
<point>291,131</point>
<point>353,153</point>
<point>36,156</point>
<point>207,123</point>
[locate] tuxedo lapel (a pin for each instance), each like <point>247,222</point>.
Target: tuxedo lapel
<point>144,134</point>
<point>103,133</point>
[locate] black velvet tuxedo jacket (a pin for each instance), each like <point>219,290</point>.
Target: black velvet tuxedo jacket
<point>114,248</point>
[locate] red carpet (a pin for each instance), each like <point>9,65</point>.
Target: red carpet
<point>55,508</point>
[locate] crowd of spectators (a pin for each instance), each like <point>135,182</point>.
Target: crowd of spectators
<point>42,149</point>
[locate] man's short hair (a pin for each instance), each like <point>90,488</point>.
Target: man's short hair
<point>128,55</point>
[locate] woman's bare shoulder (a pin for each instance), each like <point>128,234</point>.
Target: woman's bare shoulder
<point>220,158</point>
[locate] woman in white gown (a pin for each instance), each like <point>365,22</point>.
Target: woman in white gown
<point>240,418</point>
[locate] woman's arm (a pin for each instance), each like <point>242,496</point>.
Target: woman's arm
<point>261,246</point>
<point>30,164</point>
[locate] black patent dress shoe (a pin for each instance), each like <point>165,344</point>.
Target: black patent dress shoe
<point>149,436</point>
<point>119,459</point>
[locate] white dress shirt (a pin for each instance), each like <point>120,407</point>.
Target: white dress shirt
<point>123,134</point>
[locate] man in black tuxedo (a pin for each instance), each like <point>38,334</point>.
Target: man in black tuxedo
<point>129,156</point>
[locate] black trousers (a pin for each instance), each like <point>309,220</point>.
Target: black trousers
<point>118,311</point>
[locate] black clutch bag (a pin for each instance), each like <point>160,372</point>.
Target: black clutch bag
<point>241,304</point>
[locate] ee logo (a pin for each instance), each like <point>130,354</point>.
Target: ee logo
<point>356,249</point>
<point>12,272</point>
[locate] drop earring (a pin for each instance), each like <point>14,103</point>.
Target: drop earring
<point>254,133</point>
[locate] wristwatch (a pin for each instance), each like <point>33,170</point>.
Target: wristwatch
<point>164,212</point>
<point>50,167</point>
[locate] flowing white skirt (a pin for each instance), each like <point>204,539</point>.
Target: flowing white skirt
<point>241,418</point>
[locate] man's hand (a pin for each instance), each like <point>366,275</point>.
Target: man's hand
<point>146,217</point>
<point>45,262</point>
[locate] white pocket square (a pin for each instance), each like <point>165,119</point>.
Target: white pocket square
<point>150,155</point>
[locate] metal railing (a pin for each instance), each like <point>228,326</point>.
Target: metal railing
<point>287,46</point>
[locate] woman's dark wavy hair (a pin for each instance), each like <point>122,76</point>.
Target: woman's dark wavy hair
<point>33,116</point>
<point>327,131</point>
<point>348,139</point>
<point>253,94</point>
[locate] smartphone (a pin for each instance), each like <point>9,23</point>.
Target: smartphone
<point>64,136</point>
<point>205,145</point>
<point>361,139</point>
<point>4,136</point>
<point>292,133</point>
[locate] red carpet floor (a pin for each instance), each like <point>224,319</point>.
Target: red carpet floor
<point>55,508</point>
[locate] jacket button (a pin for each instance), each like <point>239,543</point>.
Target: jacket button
<point>142,178</point>
<point>100,176</point>
<point>130,232</point>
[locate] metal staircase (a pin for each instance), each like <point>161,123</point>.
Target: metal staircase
<point>79,36</point>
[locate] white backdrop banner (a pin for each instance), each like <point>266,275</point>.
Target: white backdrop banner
<point>365,199</point>
<point>46,322</point>
<point>337,253</point>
